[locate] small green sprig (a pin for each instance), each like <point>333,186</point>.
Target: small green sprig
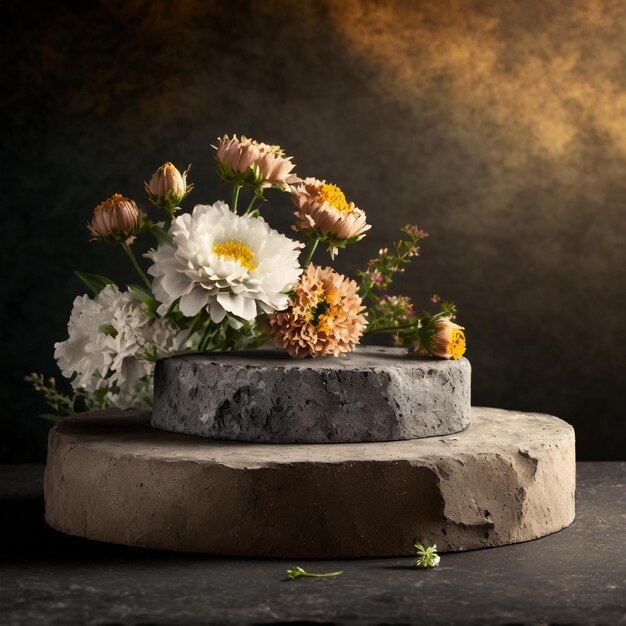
<point>297,572</point>
<point>378,275</point>
<point>428,557</point>
<point>81,400</point>
<point>56,400</point>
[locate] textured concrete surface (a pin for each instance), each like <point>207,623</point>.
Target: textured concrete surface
<point>372,394</point>
<point>576,576</point>
<point>510,477</point>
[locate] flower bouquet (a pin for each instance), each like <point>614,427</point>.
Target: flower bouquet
<point>221,279</point>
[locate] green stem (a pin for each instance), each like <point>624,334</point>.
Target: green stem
<point>309,254</point>
<point>322,575</point>
<point>236,189</point>
<point>249,209</point>
<point>206,335</point>
<point>196,324</point>
<point>133,260</point>
<point>387,329</point>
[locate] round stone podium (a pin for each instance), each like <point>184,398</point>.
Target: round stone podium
<point>509,477</point>
<point>372,394</point>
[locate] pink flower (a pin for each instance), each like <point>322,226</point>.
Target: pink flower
<point>246,161</point>
<point>411,229</point>
<point>448,339</point>
<point>324,213</point>
<point>376,277</point>
<point>440,337</point>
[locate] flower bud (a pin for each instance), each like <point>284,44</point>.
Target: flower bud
<point>244,161</point>
<point>440,337</point>
<point>167,179</point>
<point>168,187</point>
<point>114,220</point>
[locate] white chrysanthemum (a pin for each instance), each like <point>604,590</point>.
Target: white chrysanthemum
<point>112,343</point>
<point>228,264</point>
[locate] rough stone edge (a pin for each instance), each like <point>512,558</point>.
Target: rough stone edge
<point>456,516</point>
<point>201,428</point>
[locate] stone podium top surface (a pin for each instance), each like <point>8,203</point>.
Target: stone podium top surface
<point>496,431</point>
<point>361,357</point>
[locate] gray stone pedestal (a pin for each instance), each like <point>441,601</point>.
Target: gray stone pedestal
<point>509,477</point>
<point>373,394</point>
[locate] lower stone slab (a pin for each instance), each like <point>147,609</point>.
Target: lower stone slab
<point>510,477</point>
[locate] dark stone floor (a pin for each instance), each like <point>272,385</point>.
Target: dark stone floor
<point>576,576</point>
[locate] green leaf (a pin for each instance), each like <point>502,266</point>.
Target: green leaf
<point>50,417</point>
<point>160,234</point>
<point>145,297</point>
<point>108,329</point>
<point>95,282</point>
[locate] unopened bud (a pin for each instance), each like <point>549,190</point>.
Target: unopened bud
<point>114,220</point>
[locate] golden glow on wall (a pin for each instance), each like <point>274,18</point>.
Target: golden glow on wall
<point>523,86</point>
<point>536,75</point>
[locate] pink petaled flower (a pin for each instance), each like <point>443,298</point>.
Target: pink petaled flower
<point>440,337</point>
<point>250,162</point>
<point>448,340</point>
<point>376,277</point>
<point>399,307</point>
<point>323,212</point>
<point>411,229</point>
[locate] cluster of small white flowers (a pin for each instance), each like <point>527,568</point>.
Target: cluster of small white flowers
<point>113,341</point>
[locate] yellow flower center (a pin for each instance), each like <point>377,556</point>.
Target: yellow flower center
<point>322,314</point>
<point>334,196</point>
<point>457,344</point>
<point>236,250</point>
<point>109,203</point>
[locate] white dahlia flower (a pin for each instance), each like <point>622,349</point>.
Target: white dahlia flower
<point>229,264</point>
<point>112,344</point>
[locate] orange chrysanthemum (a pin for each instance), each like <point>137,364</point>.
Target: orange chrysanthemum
<point>325,316</point>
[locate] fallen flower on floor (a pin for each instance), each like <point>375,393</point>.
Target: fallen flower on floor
<point>298,571</point>
<point>428,557</point>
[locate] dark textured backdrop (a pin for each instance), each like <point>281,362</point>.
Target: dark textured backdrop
<point>499,127</point>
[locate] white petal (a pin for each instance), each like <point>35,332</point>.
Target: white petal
<point>191,303</point>
<point>233,322</point>
<point>217,312</point>
<point>232,303</point>
<point>249,309</point>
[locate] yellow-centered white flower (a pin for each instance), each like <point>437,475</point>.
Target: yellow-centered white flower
<point>228,264</point>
